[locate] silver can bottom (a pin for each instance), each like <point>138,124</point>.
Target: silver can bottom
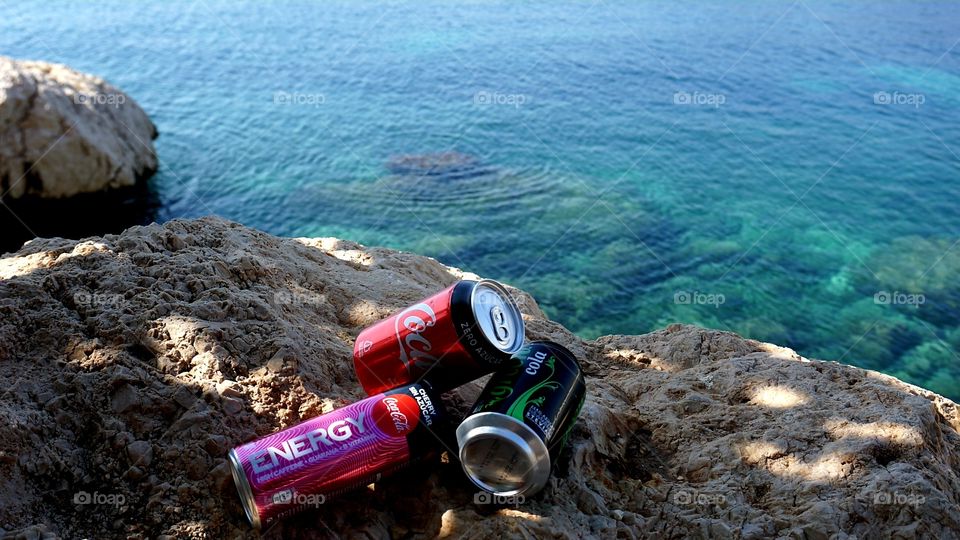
<point>502,455</point>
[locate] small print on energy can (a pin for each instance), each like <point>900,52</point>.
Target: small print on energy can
<point>304,465</point>
<point>459,334</point>
<point>521,421</point>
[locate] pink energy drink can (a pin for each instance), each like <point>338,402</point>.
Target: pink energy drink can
<point>303,466</point>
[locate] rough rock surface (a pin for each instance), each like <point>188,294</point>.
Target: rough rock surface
<point>130,364</point>
<point>63,132</point>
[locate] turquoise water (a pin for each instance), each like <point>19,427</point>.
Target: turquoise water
<point>767,168</point>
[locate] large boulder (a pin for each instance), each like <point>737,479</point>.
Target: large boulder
<point>130,364</point>
<point>63,132</point>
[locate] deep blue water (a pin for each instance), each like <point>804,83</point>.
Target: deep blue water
<point>770,168</point>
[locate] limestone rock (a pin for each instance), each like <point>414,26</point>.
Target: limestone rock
<point>63,132</point>
<point>130,364</point>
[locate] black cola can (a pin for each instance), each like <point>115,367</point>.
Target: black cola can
<point>513,435</point>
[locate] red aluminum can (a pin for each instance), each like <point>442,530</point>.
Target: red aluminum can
<point>459,334</point>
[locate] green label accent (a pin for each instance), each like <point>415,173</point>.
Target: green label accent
<point>519,406</point>
<point>503,387</point>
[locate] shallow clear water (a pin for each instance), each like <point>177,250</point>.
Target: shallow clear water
<point>726,164</point>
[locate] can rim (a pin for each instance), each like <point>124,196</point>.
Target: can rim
<point>517,316</point>
<point>243,488</point>
<point>493,425</point>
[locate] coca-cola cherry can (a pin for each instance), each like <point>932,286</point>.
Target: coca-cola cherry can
<point>303,466</point>
<point>459,334</point>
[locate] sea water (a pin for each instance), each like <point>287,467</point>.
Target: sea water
<point>787,171</point>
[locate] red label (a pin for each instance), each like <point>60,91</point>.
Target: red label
<point>410,328</point>
<point>396,414</point>
<point>402,348</point>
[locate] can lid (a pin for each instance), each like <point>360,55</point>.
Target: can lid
<point>243,488</point>
<point>497,315</point>
<point>502,455</point>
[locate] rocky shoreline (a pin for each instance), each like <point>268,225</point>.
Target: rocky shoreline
<point>64,133</point>
<point>131,363</point>
<point>75,154</point>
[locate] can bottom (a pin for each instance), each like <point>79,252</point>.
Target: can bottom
<point>243,488</point>
<point>502,455</point>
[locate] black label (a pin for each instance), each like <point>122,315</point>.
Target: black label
<point>541,386</point>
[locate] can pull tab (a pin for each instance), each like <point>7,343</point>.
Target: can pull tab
<point>500,327</point>
<point>498,317</point>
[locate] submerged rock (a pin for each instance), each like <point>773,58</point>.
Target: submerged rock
<point>131,363</point>
<point>448,164</point>
<point>63,132</point>
<point>917,276</point>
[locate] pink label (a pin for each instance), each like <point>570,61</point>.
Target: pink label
<point>337,451</point>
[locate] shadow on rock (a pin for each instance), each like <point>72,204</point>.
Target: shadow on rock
<point>76,217</point>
